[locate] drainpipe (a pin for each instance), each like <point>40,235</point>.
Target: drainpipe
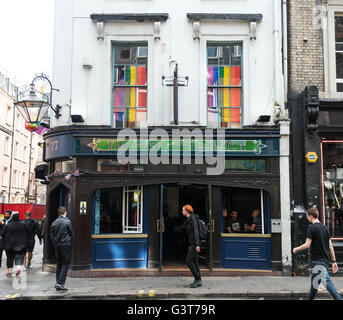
<point>285,49</point>
<point>277,52</point>
<point>280,47</point>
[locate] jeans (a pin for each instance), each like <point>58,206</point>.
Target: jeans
<point>63,260</point>
<point>319,273</point>
<point>192,262</point>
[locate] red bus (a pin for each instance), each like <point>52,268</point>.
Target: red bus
<point>37,210</point>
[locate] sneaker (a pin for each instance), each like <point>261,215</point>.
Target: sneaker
<point>9,274</point>
<point>28,266</point>
<point>59,287</point>
<point>17,274</point>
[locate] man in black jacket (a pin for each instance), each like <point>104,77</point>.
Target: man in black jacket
<point>61,234</point>
<point>34,230</point>
<point>192,228</point>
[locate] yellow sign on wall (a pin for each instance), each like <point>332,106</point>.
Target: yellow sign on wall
<point>311,157</point>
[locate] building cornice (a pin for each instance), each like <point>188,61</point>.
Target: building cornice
<point>225,16</point>
<point>139,17</point>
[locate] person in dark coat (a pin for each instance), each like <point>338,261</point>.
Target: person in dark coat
<point>16,235</point>
<point>2,226</point>
<point>61,234</point>
<point>34,230</point>
<point>7,219</point>
<point>192,228</point>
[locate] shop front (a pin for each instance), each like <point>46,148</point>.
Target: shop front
<point>330,122</point>
<point>128,216</point>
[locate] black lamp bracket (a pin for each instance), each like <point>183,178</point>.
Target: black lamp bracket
<point>57,109</point>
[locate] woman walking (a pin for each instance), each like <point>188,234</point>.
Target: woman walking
<point>192,228</point>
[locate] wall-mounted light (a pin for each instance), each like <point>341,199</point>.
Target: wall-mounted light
<point>263,118</point>
<point>77,118</point>
<point>87,63</point>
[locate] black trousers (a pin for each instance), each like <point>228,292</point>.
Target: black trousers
<point>63,260</point>
<point>192,262</point>
<point>15,256</point>
<point>1,250</point>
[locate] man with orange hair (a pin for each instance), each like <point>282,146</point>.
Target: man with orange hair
<point>192,228</point>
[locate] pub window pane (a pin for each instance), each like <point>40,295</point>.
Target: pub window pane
<point>132,220</point>
<point>338,49</point>
<point>224,85</point>
<point>246,165</point>
<point>333,188</point>
<point>339,65</point>
<point>130,86</point>
<point>118,210</point>
<point>244,201</point>
<point>339,29</point>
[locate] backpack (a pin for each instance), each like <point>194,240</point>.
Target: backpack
<point>202,229</point>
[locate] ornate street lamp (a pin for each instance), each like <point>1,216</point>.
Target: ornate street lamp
<point>32,107</point>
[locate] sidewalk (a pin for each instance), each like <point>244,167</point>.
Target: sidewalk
<point>39,285</point>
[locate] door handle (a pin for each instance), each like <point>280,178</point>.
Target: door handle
<point>158,225</point>
<point>163,226</point>
<point>210,228</point>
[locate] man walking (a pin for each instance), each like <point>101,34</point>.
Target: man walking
<point>319,241</point>
<point>61,234</point>
<point>192,229</point>
<point>34,230</point>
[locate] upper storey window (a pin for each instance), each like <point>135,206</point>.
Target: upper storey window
<point>224,85</point>
<point>130,86</point>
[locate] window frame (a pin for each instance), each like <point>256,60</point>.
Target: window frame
<point>245,65</point>
<point>138,44</point>
<point>329,44</point>
<point>218,87</point>
<point>125,190</point>
<point>125,215</point>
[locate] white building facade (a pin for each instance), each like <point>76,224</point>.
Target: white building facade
<point>143,65</point>
<point>19,150</point>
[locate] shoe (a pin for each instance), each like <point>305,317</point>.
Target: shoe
<point>59,287</point>
<point>9,274</point>
<point>195,284</point>
<point>23,268</point>
<point>17,274</point>
<point>28,266</point>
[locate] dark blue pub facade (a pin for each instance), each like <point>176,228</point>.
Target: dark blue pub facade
<point>128,216</point>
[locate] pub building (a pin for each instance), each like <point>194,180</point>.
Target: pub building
<point>129,216</point>
<point>140,96</point>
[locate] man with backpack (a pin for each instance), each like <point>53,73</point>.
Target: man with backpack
<point>192,228</point>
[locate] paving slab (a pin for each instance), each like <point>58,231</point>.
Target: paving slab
<point>37,285</point>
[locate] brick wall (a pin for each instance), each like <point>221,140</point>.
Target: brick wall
<point>306,64</point>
